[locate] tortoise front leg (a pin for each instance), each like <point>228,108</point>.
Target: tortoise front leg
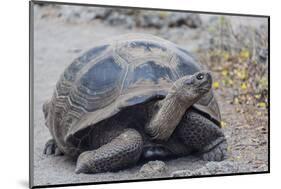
<point>121,152</point>
<point>201,134</point>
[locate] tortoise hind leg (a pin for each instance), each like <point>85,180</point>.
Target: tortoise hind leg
<point>52,148</point>
<point>215,151</point>
<point>201,134</point>
<point>122,151</point>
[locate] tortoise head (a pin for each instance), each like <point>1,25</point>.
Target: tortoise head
<point>193,87</point>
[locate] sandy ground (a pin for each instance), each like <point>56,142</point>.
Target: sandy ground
<point>57,43</point>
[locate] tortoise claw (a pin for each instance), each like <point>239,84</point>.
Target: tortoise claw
<point>58,152</point>
<point>52,148</point>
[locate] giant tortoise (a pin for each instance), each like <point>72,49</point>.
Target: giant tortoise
<point>133,97</point>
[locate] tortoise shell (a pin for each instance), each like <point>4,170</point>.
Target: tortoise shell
<point>121,72</point>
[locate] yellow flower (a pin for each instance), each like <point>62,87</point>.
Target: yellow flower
<point>216,85</point>
<point>224,72</point>
<point>225,55</point>
<point>241,74</point>
<point>257,96</point>
<point>244,86</point>
<point>245,54</point>
<point>262,104</point>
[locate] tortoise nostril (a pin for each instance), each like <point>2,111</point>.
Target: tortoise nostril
<point>209,77</point>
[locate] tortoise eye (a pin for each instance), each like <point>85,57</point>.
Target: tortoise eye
<point>200,76</point>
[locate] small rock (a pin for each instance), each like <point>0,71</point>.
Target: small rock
<point>212,168</point>
<point>149,20</point>
<point>153,169</point>
<point>188,173</point>
<point>179,19</point>
<point>117,19</point>
<point>222,167</point>
<point>101,13</point>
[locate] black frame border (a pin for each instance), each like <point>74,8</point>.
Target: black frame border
<point>31,93</point>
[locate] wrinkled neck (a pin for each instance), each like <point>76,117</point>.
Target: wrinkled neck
<point>173,107</point>
<point>170,112</point>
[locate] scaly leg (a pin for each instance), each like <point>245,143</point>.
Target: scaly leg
<point>122,151</point>
<point>201,134</point>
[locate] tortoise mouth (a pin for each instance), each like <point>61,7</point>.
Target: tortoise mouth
<point>205,86</point>
<point>204,89</point>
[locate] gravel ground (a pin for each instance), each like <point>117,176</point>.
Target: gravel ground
<point>57,42</point>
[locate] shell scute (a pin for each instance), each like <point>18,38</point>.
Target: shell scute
<point>152,71</point>
<point>103,75</point>
<point>92,53</point>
